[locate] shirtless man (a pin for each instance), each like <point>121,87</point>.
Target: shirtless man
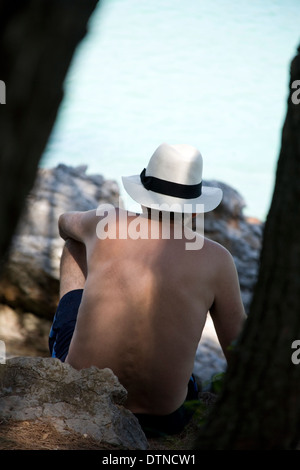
<point>138,305</point>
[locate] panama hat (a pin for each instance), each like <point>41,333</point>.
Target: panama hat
<point>173,181</point>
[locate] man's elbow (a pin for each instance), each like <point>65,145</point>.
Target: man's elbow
<point>61,226</point>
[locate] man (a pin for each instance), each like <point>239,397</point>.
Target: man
<point>138,304</point>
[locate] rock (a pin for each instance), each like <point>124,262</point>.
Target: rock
<point>89,402</point>
<point>31,277</point>
<point>209,359</point>
<point>25,334</point>
<point>242,236</point>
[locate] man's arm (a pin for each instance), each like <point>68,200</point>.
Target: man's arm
<point>77,225</point>
<point>227,311</point>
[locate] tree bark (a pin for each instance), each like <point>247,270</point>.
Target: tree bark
<point>37,42</point>
<point>259,407</point>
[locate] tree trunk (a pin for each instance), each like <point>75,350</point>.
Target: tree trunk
<point>37,42</point>
<point>259,407</point>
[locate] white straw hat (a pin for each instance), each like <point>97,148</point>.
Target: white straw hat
<point>173,180</point>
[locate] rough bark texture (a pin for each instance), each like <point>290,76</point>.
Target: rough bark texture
<point>259,407</point>
<point>37,42</point>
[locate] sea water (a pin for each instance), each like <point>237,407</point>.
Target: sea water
<point>211,74</point>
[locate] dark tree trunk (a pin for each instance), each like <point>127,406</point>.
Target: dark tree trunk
<point>37,42</point>
<point>259,407</point>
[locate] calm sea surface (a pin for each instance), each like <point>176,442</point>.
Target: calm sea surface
<point>211,74</point>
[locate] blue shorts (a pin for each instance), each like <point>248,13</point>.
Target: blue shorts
<point>64,324</point>
<point>173,423</point>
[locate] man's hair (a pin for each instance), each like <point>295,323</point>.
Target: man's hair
<point>163,215</point>
<point>166,216</point>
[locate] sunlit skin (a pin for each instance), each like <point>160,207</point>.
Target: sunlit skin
<point>145,304</point>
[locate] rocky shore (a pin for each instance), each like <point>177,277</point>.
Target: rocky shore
<point>30,282</point>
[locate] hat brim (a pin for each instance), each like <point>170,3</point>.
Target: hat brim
<point>208,201</point>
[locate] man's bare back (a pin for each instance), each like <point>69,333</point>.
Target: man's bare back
<point>144,307</point>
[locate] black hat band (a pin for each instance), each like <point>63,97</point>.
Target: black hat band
<point>183,191</point>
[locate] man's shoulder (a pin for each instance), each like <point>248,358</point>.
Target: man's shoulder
<point>215,246</point>
<point>216,251</point>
